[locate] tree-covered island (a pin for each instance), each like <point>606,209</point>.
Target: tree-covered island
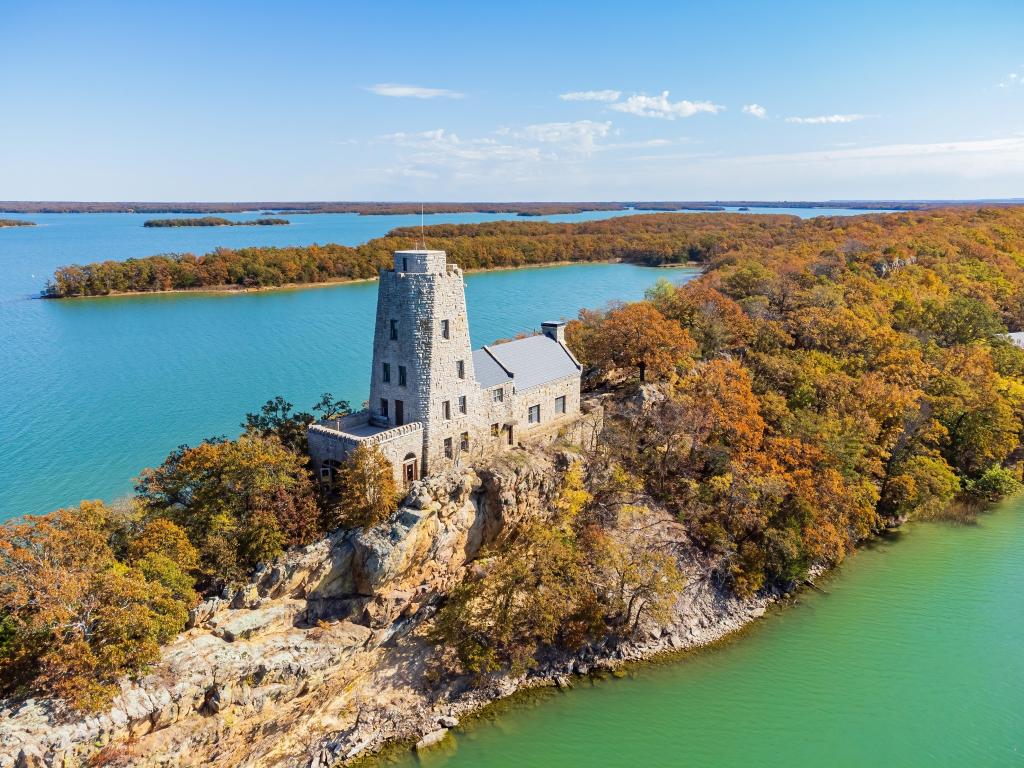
<point>16,223</point>
<point>215,221</point>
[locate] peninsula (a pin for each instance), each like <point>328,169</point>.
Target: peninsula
<point>16,223</point>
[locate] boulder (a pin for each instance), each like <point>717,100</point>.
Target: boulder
<point>246,624</point>
<point>247,596</point>
<point>333,577</point>
<point>431,738</point>
<point>203,612</point>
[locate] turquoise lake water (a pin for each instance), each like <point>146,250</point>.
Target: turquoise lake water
<point>93,390</point>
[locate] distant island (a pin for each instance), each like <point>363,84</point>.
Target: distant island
<point>214,221</point>
<point>370,208</point>
<point>16,223</point>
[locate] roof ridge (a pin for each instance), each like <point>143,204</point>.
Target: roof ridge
<point>501,365</point>
<point>572,357</point>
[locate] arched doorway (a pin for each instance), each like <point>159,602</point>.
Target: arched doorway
<point>410,469</point>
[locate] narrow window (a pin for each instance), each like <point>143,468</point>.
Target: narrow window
<point>494,429</point>
<point>405,264</point>
<point>534,414</point>
<point>401,376</point>
<point>446,409</point>
<point>384,407</point>
<point>462,404</point>
<point>560,404</point>
<point>460,368</point>
<point>464,442</point>
<point>447,447</point>
<point>498,395</point>
<point>386,373</point>
<point>394,330</point>
<point>445,333</point>
<point>399,413</point>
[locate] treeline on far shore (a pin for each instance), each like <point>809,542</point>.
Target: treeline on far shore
<point>520,208</point>
<point>213,221</point>
<point>652,239</point>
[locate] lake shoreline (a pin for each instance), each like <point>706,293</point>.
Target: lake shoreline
<point>734,619</point>
<point>222,290</point>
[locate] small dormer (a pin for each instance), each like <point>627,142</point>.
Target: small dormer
<point>420,262</point>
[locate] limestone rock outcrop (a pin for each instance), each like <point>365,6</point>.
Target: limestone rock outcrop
<point>315,617</point>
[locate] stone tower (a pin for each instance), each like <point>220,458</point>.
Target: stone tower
<point>422,358</point>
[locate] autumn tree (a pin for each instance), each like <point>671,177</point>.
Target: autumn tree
<point>75,619</point>
<point>241,502</point>
<point>534,587</point>
<point>558,582</point>
<point>365,488</point>
<point>639,336</point>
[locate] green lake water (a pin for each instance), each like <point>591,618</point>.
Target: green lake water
<point>915,657</point>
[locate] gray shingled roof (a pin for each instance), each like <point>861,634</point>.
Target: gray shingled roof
<point>488,372</point>
<point>533,361</point>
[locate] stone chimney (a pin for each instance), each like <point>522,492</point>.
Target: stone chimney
<point>554,329</point>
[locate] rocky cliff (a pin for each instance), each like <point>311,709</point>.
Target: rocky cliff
<point>323,656</point>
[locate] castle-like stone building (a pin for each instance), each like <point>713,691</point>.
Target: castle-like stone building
<point>434,401</point>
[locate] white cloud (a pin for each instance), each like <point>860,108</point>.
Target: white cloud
<point>530,144</point>
<point>607,95</point>
<point>826,119</point>
<point>550,161</point>
<point>441,147</point>
<point>659,106</point>
<point>413,91</point>
<point>756,110</point>
<point>579,136</point>
<point>1012,79</point>
<point>984,168</point>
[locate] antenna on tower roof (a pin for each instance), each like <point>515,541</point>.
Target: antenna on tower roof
<point>423,237</point>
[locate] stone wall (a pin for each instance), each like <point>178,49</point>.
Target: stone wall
<point>544,396</point>
<point>396,443</point>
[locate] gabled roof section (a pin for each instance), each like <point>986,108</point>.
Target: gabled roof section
<point>488,372</point>
<point>532,361</point>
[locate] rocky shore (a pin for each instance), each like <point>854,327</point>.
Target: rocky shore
<point>324,657</point>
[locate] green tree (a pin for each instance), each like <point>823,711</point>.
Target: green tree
<point>240,502</point>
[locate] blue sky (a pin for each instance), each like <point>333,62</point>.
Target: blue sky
<point>511,101</point>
